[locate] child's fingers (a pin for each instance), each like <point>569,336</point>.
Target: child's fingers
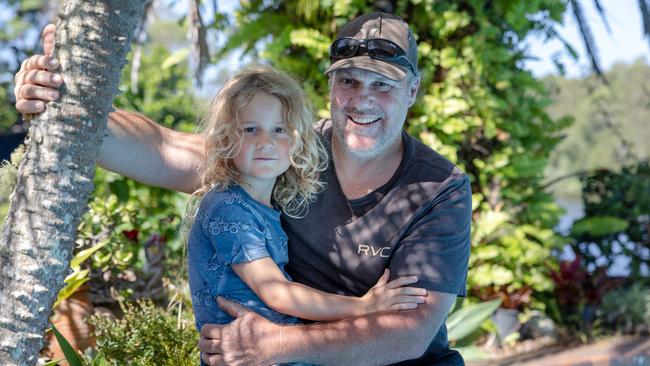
<point>383,279</point>
<point>402,281</point>
<point>404,299</point>
<point>414,291</point>
<point>404,306</point>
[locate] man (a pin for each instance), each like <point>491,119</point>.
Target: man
<point>390,202</point>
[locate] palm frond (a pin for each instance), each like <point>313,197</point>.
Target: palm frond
<point>603,15</point>
<point>588,39</point>
<point>644,7</point>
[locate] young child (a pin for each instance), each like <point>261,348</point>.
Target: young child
<point>263,156</point>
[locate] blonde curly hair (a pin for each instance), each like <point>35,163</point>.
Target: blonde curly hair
<point>298,186</point>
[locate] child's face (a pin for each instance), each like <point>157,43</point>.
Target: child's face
<point>264,153</point>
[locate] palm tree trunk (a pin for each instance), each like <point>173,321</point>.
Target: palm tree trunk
<point>55,176</point>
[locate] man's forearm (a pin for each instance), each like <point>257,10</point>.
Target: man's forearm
<point>374,339</point>
<point>138,148</point>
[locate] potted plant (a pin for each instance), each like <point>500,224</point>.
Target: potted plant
<point>513,300</point>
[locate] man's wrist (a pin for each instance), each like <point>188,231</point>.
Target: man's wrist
<point>273,344</point>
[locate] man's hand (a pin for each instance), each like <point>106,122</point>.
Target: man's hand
<point>36,83</point>
<point>247,340</point>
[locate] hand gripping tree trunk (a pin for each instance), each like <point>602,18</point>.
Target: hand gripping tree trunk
<point>55,176</point>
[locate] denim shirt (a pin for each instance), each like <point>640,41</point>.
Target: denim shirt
<point>231,227</point>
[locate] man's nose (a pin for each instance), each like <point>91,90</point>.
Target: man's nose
<point>363,98</point>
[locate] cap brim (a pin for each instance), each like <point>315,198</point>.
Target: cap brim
<point>367,63</point>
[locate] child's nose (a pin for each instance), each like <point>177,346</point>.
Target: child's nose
<point>264,139</point>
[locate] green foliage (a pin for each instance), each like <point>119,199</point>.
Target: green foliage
<point>139,223</point>
<point>627,309</point>
<point>163,94</point>
<point>589,143</point>
<point>146,335</point>
<point>70,354</point>
<point>477,107</point>
<point>8,172</point>
<point>464,327</point>
<point>467,319</point>
<point>133,229</point>
<point>617,210</point>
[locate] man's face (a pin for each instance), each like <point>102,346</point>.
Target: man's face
<point>368,111</point>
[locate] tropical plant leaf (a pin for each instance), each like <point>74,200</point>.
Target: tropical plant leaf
<point>599,226</point>
<point>175,58</point>
<point>465,320</point>
<point>472,353</point>
<point>83,255</point>
<point>70,289</point>
<point>70,354</point>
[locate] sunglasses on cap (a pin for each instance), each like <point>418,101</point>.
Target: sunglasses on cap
<point>376,48</point>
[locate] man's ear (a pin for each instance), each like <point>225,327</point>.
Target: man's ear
<point>413,90</point>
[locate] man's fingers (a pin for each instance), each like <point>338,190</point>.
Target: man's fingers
<point>402,281</point>
<point>209,345</point>
<point>30,106</point>
<point>232,308</point>
<point>47,38</point>
<point>30,91</point>
<point>212,359</point>
<point>39,77</point>
<point>40,62</point>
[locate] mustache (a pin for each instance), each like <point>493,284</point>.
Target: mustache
<point>361,112</point>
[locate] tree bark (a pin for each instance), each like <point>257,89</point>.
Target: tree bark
<point>55,176</point>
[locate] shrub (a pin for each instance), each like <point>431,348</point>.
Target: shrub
<point>627,309</point>
<point>146,335</point>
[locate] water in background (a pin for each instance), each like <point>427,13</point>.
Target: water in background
<point>574,210</point>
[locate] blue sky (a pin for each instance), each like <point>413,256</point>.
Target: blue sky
<point>624,44</point>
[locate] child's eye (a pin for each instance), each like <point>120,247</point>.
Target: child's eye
<point>250,129</point>
<point>280,130</point>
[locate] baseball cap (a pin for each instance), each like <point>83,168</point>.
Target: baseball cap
<point>383,26</point>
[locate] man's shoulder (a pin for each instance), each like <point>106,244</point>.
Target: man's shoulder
<point>427,165</point>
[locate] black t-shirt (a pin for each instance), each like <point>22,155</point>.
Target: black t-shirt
<point>418,223</point>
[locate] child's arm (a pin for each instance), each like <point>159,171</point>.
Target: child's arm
<point>265,278</point>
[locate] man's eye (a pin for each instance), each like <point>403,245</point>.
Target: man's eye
<point>382,86</point>
<point>250,129</point>
<point>347,81</point>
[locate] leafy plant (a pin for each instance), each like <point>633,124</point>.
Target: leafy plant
<point>463,326</point>
<point>8,171</point>
<point>578,293</point>
<point>627,309</point>
<point>146,335</point>
<point>617,210</point>
<point>71,355</point>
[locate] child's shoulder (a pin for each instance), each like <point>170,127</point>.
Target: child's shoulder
<point>230,200</point>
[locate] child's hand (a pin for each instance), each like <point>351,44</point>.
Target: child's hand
<point>393,295</point>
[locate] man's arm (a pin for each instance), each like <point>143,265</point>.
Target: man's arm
<point>134,146</point>
<point>137,147</point>
<point>374,339</point>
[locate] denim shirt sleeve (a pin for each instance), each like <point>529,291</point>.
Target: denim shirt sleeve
<point>236,234</point>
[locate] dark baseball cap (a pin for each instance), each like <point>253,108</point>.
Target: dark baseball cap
<point>378,26</point>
